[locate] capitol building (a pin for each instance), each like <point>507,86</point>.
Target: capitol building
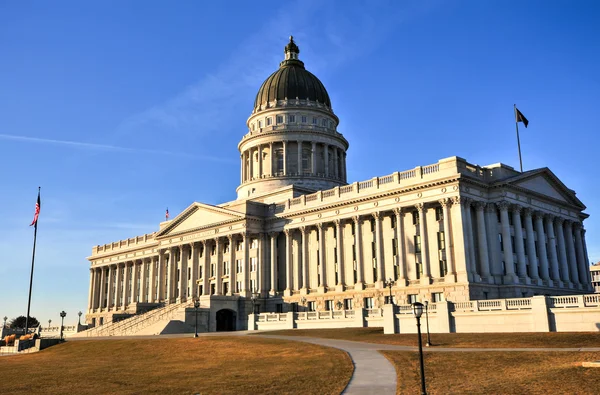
<point>299,237</point>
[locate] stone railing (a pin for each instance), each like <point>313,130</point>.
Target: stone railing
<point>574,301</point>
<point>494,305</point>
<point>134,241</point>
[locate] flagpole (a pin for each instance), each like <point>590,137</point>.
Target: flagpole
<point>518,140</point>
<point>31,275</point>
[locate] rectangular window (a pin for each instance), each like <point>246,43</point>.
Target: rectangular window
<point>213,249</point>
<point>238,266</point>
<point>279,119</point>
<point>329,305</point>
<point>437,297</point>
<point>394,246</point>
<point>439,214</point>
<point>314,121</point>
<point>212,289</point>
<point>324,122</point>
<point>253,243</point>
<point>226,268</point>
<point>279,308</point>
<point>292,118</point>
<point>238,286</point>
<point>415,217</point>
<point>304,119</point>
<point>311,306</point>
<point>417,240</point>
<point>393,221</point>
<point>212,270</point>
<point>368,303</point>
<point>348,304</point>
<point>225,288</point>
<point>441,241</point>
<point>253,285</point>
<point>269,121</point>
<point>412,298</point>
<point>253,264</point>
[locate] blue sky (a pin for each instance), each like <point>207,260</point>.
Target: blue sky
<point>119,109</point>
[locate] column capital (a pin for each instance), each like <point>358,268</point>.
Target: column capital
<point>491,208</point>
<point>445,202</point>
<point>338,222</point>
<point>479,205</point>
<point>577,225</point>
<point>288,232</point>
<point>273,234</point>
<point>559,221</point>
<point>503,205</point>
<point>420,206</point>
<point>320,226</point>
<point>549,218</point>
<point>230,238</point>
<point>304,229</point>
<point>517,208</point>
<point>376,215</point>
<point>539,214</point>
<point>528,211</point>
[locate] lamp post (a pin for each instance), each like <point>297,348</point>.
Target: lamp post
<point>389,283</point>
<point>5,318</point>
<point>196,306</point>
<point>255,296</point>
<point>303,302</point>
<point>418,312</point>
<point>49,322</point>
<point>62,323</point>
<point>428,344</point>
<point>79,319</point>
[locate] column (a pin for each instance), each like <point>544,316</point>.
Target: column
<point>242,168</point>
<point>304,233</point>
<point>555,274</point>
<point>451,275</point>
<point>299,156</point>
<point>91,292</point>
<point>118,289</point>
<point>493,242</point>
<point>97,277</point>
<point>562,253</point>
<point>322,255</point>
<point>313,158</point>
<point>171,262</point>
<point>135,289</point>
<point>272,160</point>
<point>543,253</point>
<point>205,268</point>
<point>471,241</point>
<point>531,251</point>
<point>574,273</point>
<point>326,149</point>
<point>425,278</point>
<point>285,172</point>
<point>160,280</point>
<point>509,265</point>
<point>183,283</point>
<point>335,162</point>
<point>274,274</point>
<point>400,260</point>
<point>143,281</point>
<point>194,285</point>
<point>102,287</point>
<point>260,264</point>
<point>582,263</point>
<point>484,258</point>
<point>126,278</point>
<point>260,161</point>
<point>218,267</point>
<point>251,163</point>
<point>519,246</point>
<point>339,254</point>
<point>587,263</point>
<point>378,251</point>
<point>232,268</point>
<point>245,271</point>
<point>111,281</point>
<point>343,158</point>
<point>288,262</point>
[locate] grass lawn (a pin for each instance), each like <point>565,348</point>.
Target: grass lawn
<point>210,365</point>
<point>497,372</point>
<point>489,340</point>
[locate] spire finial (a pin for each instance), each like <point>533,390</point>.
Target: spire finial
<point>291,50</point>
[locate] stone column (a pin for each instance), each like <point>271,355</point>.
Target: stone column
<point>232,267</point>
<point>218,267</point>
<point>260,161</point>
<point>326,149</point>
<point>340,255</point>
<point>426,277</point>
<point>135,290</point>
<point>206,268</point>
<point>299,156</point>
<point>400,259</point>
<point>272,159</point>
<point>509,265</point>
<point>313,157</point>
<point>531,251</point>
<point>304,232</point>
<point>519,246</point>
<point>587,263</point>
<point>493,242</point>
<point>322,255</point>
<point>543,253</point>
<point>285,171</point>
<point>574,272</point>
<point>194,286</point>
<point>160,280</point>
<point>260,264</point>
<point>582,263</point>
<point>555,273</point>
<point>335,162</point>
<point>144,282</point>
<point>111,280</point>
<point>343,157</point>
<point>183,281</point>
<point>242,168</point>
<point>484,258</point>
<point>288,262</point>
<point>245,263</point>
<point>274,274</point>
<point>118,288</point>
<point>170,263</point>
<point>126,280</point>
<point>102,287</point>
<point>562,253</point>
<point>450,277</point>
<point>459,239</point>
<point>379,251</point>
<point>151,275</point>
<point>91,292</point>
<point>471,241</point>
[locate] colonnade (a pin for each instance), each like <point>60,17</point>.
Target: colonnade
<point>279,159</point>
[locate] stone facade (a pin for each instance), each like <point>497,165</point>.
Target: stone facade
<point>298,234</point>
<point>595,276</point>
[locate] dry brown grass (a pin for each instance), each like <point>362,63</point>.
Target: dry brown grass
<point>512,372</point>
<point>487,340</point>
<point>210,365</point>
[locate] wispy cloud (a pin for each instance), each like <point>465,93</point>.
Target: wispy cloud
<point>106,147</point>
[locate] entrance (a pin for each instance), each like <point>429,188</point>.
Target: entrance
<point>225,320</point>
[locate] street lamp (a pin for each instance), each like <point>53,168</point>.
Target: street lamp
<point>303,302</point>
<point>49,322</point>
<point>389,283</point>
<point>418,312</point>
<point>428,344</point>
<point>254,297</point>
<point>62,323</point>
<point>196,306</point>
<point>79,320</point>
<point>5,318</point>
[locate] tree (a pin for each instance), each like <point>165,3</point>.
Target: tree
<point>19,322</point>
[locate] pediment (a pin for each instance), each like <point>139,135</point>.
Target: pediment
<point>544,182</point>
<point>199,216</point>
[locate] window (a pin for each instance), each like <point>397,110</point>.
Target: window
<point>417,240</point>
<point>238,286</point>
<point>324,122</point>
<point>412,298</point>
<point>439,214</point>
<point>314,121</point>
<point>212,289</point>
<point>253,285</point>
<point>279,308</point>
<point>213,249</point>
<point>501,242</point>
<point>212,270</point>
<point>329,305</point>
<point>348,304</point>
<point>331,124</point>
<point>441,241</point>
<point>253,264</point>
<point>189,273</point>
<point>253,125</point>
<point>253,243</point>
<point>225,288</point>
<point>292,118</point>
<point>368,303</point>
<point>269,121</point>
<point>226,268</point>
<point>239,246</point>
<point>415,217</point>
<point>226,248</point>
<point>279,119</point>
<point>260,124</point>
<point>437,297</point>
<point>238,266</point>
<point>311,306</point>
<point>393,221</point>
<point>304,119</point>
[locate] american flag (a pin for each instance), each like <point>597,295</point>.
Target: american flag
<point>167,215</point>
<point>37,210</point>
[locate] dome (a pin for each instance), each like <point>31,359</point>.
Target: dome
<point>292,81</point>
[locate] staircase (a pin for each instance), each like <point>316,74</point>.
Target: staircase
<point>133,325</point>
